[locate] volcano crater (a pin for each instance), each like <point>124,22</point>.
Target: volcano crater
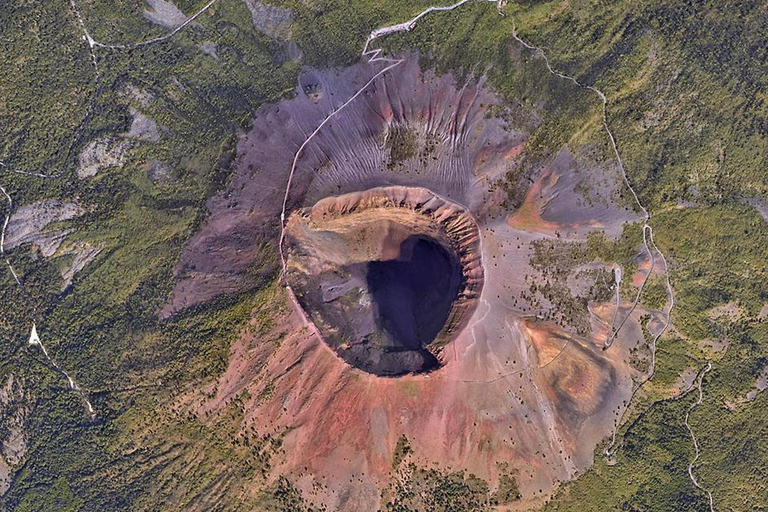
<point>389,276</point>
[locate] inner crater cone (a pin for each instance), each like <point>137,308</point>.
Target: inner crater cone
<point>389,275</point>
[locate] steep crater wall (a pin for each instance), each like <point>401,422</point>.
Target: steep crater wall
<point>389,275</point>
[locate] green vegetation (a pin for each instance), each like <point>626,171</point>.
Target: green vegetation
<point>508,490</point>
<point>284,497</point>
<point>651,473</point>
<point>428,489</point>
<point>402,450</point>
<point>686,83</point>
<point>718,256</point>
<point>104,329</point>
<point>686,86</point>
<point>558,261</point>
<point>333,33</point>
<point>414,488</point>
<point>401,143</point>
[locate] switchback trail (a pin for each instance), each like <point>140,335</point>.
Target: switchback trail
<point>373,55</point>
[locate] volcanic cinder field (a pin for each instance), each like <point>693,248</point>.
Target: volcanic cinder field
<point>414,300</point>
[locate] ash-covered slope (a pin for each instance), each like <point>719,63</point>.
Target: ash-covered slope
<point>415,159</point>
<point>407,128</point>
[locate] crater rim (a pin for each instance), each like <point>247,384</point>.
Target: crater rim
<point>329,245</point>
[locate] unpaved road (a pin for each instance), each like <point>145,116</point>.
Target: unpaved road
<point>373,55</point>
<point>34,339</point>
<point>648,243</point>
<point>696,446</point>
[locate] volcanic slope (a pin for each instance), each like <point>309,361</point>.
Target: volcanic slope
<point>521,382</point>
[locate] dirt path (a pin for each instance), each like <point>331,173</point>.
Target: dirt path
<point>648,242</point>
<point>86,35</point>
<point>373,55</point>
<point>407,25</point>
<point>126,46</point>
<point>301,149</point>
<point>34,339</point>
<point>696,446</point>
<point>2,233</point>
<point>696,385</point>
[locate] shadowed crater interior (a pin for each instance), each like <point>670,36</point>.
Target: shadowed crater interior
<point>388,276</point>
<point>414,293</point>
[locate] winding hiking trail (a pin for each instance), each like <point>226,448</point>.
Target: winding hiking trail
<point>34,338</point>
<point>408,25</point>
<point>648,242</point>
<point>652,250</point>
<point>695,385</point>
<point>93,45</point>
<point>373,55</point>
<point>127,46</point>
<point>696,446</point>
<point>611,449</point>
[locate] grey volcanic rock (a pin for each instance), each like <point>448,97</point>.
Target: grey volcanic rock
<point>142,127</point>
<point>100,154</point>
<point>272,21</point>
<point>164,13</point>
<point>29,224</point>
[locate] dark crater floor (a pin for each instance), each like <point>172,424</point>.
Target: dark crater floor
<point>413,295</point>
<point>389,276</point>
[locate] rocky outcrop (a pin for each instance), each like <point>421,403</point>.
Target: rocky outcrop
<point>29,224</point>
<point>164,13</point>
